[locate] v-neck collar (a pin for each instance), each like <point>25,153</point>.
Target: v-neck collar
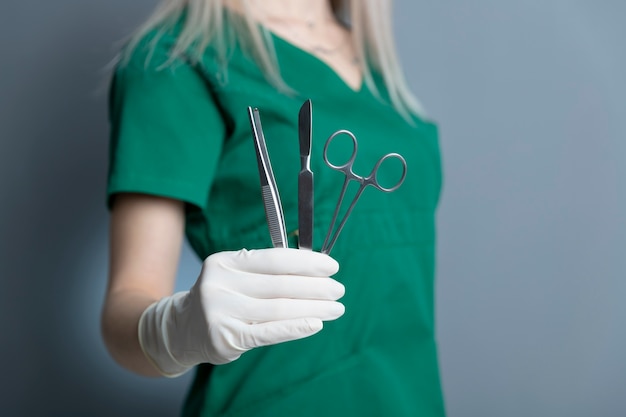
<point>318,61</point>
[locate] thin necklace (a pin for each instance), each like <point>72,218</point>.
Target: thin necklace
<point>314,47</point>
<point>310,23</point>
<point>304,42</point>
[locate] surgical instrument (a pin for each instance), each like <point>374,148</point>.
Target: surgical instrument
<point>271,198</point>
<point>371,179</point>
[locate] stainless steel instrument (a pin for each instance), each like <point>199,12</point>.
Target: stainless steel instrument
<point>371,179</point>
<point>305,179</point>
<point>271,198</point>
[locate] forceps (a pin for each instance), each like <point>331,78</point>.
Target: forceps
<point>269,190</point>
<point>371,179</point>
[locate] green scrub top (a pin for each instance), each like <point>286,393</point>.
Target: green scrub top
<point>182,131</point>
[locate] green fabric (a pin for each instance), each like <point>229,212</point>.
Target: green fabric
<point>183,132</point>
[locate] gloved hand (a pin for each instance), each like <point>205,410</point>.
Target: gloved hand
<point>240,301</point>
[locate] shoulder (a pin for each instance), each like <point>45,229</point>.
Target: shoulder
<point>151,52</point>
<point>153,62</point>
<point>160,53</point>
<point>151,78</point>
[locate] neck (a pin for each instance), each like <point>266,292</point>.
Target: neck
<point>310,11</point>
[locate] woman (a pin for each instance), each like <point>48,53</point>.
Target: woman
<point>183,162</point>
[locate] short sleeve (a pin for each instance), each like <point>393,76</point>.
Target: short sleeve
<point>166,130</point>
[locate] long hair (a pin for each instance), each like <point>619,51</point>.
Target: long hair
<point>369,20</point>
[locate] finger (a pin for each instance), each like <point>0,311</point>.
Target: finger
<point>264,334</point>
<point>252,310</point>
<point>287,286</point>
<point>281,261</point>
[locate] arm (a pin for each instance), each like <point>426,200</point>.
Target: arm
<point>146,235</point>
<point>241,300</point>
<point>167,138</point>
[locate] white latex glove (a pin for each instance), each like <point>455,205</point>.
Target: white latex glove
<point>241,300</point>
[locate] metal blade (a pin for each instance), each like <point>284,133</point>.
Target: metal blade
<point>305,179</point>
<point>269,190</point>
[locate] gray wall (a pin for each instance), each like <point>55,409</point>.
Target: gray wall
<point>532,228</point>
<point>532,244</point>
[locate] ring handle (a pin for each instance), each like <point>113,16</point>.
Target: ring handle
<point>372,179</point>
<point>347,167</point>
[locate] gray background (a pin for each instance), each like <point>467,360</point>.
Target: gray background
<point>532,231</point>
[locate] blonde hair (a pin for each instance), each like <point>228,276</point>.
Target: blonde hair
<point>369,20</point>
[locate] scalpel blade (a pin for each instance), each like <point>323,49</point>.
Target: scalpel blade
<point>271,198</point>
<point>305,179</point>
